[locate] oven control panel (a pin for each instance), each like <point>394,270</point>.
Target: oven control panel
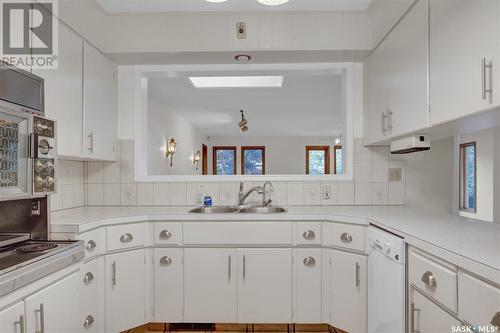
<point>44,156</point>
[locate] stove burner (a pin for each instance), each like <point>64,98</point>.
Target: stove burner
<point>34,248</point>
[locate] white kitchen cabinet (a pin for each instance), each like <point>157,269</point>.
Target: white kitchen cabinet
<point>210,285</point>
<point>425,316</point>
<point>92,311</point>
<point>348,291</point>
<point>168,285</point>
<point>64,94</point>
<point>55,309</point>
<point>100,110</point>
<point>125,290</point>
<point>307,286</point>
<point>462,34</point>
<point>396,80</point>
<point>12,319</point>
<point>265,285</point>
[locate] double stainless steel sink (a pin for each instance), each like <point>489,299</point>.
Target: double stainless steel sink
<point>236,209</point>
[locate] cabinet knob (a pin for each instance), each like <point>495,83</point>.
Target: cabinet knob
<point>165,261</point>
<point>88,321</point>
<point>309,261</point>
<point>429,279</point>
<point>88,277</point>
<point>165,234</point>
<point>90,245</point>
<point>309,234</point>
<point>127,238</point>
<point>346,238</point>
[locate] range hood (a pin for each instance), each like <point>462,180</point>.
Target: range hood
<point>410,144</point>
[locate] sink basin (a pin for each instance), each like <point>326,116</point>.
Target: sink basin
<point>263,210</point>
<point>214,209</point>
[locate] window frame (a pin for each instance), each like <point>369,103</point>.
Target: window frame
<point>214,158</point>
<point>262,148</point>
<point>335,148</point>
<point>326,149</point>
<point>462,175</point>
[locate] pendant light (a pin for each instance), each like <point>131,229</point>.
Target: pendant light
<point>243,124</point>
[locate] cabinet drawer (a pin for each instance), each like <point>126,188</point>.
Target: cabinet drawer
<point>94,242</point>
<point>168,233</point>
<point>124,236</point>
<point>308,233</point>
<point>237,233</point>
<point>348,236</point>
<point>434,277</point>
<point>478,301</point>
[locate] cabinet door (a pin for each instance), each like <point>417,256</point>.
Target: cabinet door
<point>12,319</point>
<point>426,316</point>
<point>55,309</point>
<point>395,79</point>
<point>100,113</point>
<point>168,285</point>
<point>462,33</point>
<point>125,290</point>
<point>64,93</point>
<point>307,286</point>
<point>91,281</point>
<point>210,285</point>
<point>348,291</point>
<point>265,286</point>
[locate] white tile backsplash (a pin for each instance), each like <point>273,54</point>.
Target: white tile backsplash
<point>363,171</point>
<point>345,193</point>
<point>397,193</point>
<point>95,172</point>
<point>380,195</point>
<point>296,194</point>
<point>95,194</point>
<point>145,194</point>
<point>111,173</point>
<point>312,194</point>
<point>363,193</point>
<point>129,194</point>
<point>380,171</point>
<point>161,194</point>
<point>112,195</point>
<point>178,194</point>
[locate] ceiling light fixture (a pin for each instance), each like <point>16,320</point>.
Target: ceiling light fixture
<point>216,1</point>
<point>243,124</point>
<point>272,2</point>
<point>237,81</point>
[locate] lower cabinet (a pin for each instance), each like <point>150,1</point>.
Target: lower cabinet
<point>55,308</point>
<point>348,291</point>
<point>125,290</point>
<point>91,279</point>
<point>307,286</point>
<point>426,316</point>
<point>168,285</point>
<point>12,319</point>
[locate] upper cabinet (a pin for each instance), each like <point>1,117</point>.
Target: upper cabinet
<point>99,100</point>
<point>395,79</point>
<point>464,58</point>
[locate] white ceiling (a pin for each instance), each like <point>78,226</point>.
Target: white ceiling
<point>304,106</point>
<point>176,6</point>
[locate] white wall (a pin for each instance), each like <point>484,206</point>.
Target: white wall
<point>383,14</point>
<point>484,173</point>
<point>163,124</point>
<point>430,179</point>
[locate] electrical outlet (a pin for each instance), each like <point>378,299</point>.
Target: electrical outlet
<point>326,190</point>
<point>241,30</point>
<point>395,174</point>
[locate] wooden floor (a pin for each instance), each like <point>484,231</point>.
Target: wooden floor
<point>240,328</point>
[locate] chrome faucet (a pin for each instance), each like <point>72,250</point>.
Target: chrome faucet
<point>266,202</point>
<point>243,196</point>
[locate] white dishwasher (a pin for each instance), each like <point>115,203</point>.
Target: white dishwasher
<point>386,282</point>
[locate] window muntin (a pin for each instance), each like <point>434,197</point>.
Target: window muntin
<point>317,160</point>
<point>224,161</point>
<point>253,160</point>
<point>468,176</point>
<point>338,156</point>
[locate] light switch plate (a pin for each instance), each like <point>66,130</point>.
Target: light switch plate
<point>395,174</point>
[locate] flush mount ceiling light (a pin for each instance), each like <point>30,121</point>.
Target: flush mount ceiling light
<point>216,1</point>
<point>237,81</point>
<point>272,2</point>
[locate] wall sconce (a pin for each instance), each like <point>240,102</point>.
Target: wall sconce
<point>171,150</point>
<point>196,159</point>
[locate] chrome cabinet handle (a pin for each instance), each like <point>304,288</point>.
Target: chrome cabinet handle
<point>346,238</point>
<point>384,123</point>
<point>88,321</point>
<point>309,261</point>
<point>244,267</point>
<point>165,234</point>
<point>357,275</point>
<point>228,268</point>
<point>165,260</point>
<point>91,142</point>
<point>429,279</point>
<point>20,323</point>
<point>42,319</point>
<point>309,234</point>
<point>495,321</point>
<point>389,121</point>
<point>91,245</point>
<point>127,238</point>
<point>484,89</point>
<point>88,277</point>
<point>413,309</point>
<point>113,273</point>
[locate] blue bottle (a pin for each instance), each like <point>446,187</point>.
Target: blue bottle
<point>207,201</point>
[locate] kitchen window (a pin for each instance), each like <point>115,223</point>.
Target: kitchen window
<point>338,157</point>
<point>253,160</point>
<point>468,176</point>
<point>317,160</point>
<point>224,160</point>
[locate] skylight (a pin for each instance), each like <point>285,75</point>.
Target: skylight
<point>237,81</point>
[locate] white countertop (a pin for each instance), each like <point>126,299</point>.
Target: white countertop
<point>477,243</point>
